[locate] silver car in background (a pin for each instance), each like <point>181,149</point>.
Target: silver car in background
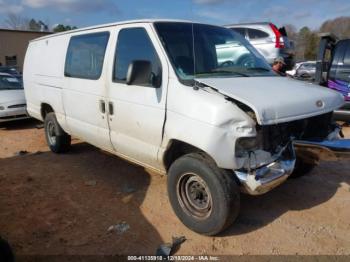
<point>306,70</point>
<point>270,41</point>
<point>12,100</point>
<point>303,70</point>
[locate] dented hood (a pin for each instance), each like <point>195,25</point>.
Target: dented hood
<point>277,99</point>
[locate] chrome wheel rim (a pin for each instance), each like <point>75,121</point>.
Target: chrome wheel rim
<point>194,196</point>
<point>51,133</point>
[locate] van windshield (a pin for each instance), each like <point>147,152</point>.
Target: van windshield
<point>198,50</point>
<point>8,82</point>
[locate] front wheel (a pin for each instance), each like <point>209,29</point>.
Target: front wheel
<point>58,140</point>
<point>204,197</point>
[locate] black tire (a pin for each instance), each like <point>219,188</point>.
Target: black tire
<point>212,201</point>
<point>305,76</point>
<point>301,168</point>
<point>246,61</point>
<point>227,63</point>
<point>58,140</point>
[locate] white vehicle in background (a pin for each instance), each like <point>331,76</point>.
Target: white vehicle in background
<point>303,70</point>
<point>12,100</point>
<point>270,41</point>
<point>294,70</point>
<point>159,94</point>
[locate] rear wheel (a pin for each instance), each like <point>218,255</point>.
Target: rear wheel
<point>58,140</point>
<point>204,197</point>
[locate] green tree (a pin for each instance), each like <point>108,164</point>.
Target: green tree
<point>62,28</point>
<point>34,25</point>
<point>302,46</point>
<point>311,47</point>
<point>304,31</point>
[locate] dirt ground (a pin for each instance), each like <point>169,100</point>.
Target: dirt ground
<point>64,204</point>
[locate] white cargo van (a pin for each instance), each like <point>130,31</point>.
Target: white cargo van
<point>159,94</point>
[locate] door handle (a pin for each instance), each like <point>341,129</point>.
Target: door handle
<point>111,108</point>
<point>102,106</point>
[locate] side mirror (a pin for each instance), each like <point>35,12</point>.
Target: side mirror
<point>140,73</point>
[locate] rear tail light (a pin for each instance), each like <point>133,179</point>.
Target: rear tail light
<point>279,37</point>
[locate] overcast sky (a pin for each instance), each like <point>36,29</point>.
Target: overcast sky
<point>90,12</point>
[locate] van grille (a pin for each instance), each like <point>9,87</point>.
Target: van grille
<point>314,129</point>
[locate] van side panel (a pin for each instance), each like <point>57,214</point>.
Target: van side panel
<point>43,76</point>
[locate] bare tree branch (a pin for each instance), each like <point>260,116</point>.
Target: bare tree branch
<point>16,21</point>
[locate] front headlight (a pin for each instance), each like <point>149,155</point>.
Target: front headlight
<point>2,108</point>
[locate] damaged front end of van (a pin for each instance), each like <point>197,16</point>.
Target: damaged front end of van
<point>293,129</point>
<point>282,150</point>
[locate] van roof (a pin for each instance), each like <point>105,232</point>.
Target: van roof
<point>112,24</point>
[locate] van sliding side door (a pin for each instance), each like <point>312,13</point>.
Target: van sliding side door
<point>84,95</point>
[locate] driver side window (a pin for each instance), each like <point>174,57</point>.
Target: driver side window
<point>134,44</point>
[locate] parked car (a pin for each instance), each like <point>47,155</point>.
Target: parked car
<point>10,70</point>
<point>293,71</point>
<point>12,100</point>
<point>333,70</point>
<point>154,92</point>
<point>306,70</point>
<point>270,41</point>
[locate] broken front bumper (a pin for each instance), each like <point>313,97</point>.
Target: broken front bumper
<point>263,179</point>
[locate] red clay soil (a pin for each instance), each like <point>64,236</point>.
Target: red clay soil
<point>64,204</point>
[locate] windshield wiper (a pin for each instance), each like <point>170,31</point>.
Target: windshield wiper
<point>197,84</point>
<point>218,71</point>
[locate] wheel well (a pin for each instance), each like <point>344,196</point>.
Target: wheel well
<point>45,109</point>
<point>176,150</point>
